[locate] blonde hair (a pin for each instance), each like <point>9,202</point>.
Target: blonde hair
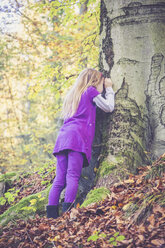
<point>88,77</point>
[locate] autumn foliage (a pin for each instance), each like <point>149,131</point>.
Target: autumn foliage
<point>40,59</point>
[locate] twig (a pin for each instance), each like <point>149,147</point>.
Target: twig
<point>14,222</point>
<point>30,238</point>
<point>72,75</point>
<point>71,206</point>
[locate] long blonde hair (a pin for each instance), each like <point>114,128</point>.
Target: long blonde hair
<point>88,77</point>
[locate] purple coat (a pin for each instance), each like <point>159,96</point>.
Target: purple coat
<point>77,132</point>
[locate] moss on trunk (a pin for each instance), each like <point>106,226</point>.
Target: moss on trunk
<point>96,195</point>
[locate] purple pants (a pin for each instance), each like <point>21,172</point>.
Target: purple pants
<point>68,172</point>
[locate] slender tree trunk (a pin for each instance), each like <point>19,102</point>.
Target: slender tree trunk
<point>132,52</point>
<point>84,8</point>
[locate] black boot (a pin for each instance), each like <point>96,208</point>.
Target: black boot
<point>52,211</point>
<point>66,206</point>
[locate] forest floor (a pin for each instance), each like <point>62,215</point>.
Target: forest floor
<point>132,216</point>
<point>27,184</point>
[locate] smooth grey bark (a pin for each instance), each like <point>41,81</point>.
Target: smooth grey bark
<point>132,50</point>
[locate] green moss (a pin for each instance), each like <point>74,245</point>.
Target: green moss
<point>106,168</point>
<point>137,139</point>
<point>22,210</point>
<point>7,176</point>
<point>120,159</point>
<point>96,195</point>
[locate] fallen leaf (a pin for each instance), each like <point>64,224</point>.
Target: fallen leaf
<point>43,227</point>
<point>141,237</point>
<point>120,205</point>
<point>158,242</point>
<point>114,207</point>
<point>157,209</point>
<point>78,205</point>
<point>151,219</point>
<point>139,181</point>
<point>129,181</point>
<point>141,228</point>
<point>74,212</point>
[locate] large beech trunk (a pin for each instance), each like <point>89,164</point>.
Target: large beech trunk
<point>132,50</point>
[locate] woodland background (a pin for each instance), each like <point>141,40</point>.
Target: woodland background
<point>44,45</point>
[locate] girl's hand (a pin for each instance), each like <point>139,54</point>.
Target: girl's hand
<point>108,82</point>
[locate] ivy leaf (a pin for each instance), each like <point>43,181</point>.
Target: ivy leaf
<point>2,201</point>
<point>111,239</point>
<point>116,234</point>
<point>93,237</point>
<point>114,243</point>
<point>120,238</point>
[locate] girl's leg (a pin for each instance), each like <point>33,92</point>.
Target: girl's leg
<point>60,179</point>
<point>75,164</point>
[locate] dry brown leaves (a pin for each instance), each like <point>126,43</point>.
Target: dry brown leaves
<point>143,227</point>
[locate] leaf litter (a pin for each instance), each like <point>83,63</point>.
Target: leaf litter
<point>135,209</point>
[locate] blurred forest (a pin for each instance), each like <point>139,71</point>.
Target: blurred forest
<point>43,45</point>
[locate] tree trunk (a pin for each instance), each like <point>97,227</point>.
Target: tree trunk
<point>132,52</point>
<point>132,37</point>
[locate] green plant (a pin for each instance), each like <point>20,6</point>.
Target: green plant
<point>115,238</point>
<point>45,171</point>
<point>101,235</point>
<point>9,196</point>
<point>156,171</point>
<point>96,235</point>
<point>2,200</point>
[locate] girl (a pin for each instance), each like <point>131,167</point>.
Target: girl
<point>74,142</point>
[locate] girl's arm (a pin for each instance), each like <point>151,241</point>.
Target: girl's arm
<point>107,105</point>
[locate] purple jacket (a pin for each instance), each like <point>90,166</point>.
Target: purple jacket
<point>77,132</point>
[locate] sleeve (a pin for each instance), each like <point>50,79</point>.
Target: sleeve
<point>107,104</point>
<point>92,92</point>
